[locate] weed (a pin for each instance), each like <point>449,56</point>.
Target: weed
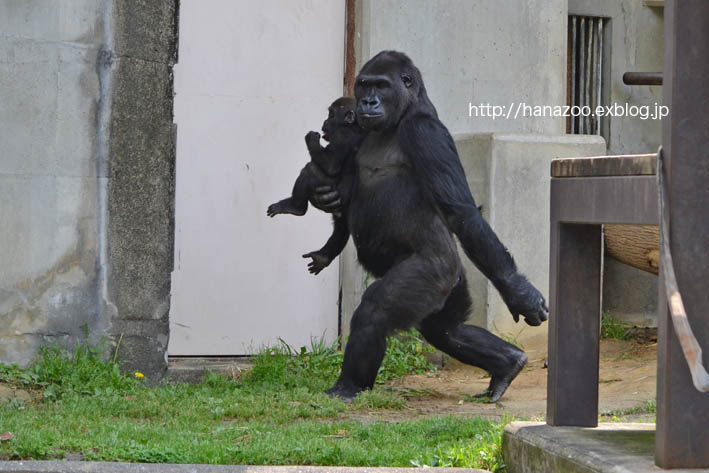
<point>58,373</point>
<point>482,450</point>
<point>646,408</point>
<point>276,414</point>
<point>614,329</point>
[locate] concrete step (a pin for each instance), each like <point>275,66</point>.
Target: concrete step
<point>189,369</point>
<point>535,447</point>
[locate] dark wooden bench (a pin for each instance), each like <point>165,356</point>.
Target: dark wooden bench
<point>586,193</point>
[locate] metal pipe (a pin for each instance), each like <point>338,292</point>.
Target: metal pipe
<point>573,72</point>
<point>642,78</point>
<point>599,91</point>
<point>582,71</point>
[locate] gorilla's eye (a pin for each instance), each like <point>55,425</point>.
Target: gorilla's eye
<point>408,81</point>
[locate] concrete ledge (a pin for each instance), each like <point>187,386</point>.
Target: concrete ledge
<point>108,467</point>
<point>534,447</point>
<point>193,369</point>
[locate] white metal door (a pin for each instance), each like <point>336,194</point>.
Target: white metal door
<point>252,78</point>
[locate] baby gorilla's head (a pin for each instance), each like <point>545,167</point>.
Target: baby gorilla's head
<point>341,124</point>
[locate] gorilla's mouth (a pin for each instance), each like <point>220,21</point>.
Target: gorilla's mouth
<point>371,115</point>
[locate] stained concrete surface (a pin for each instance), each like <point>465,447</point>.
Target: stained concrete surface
<point>534,447</point>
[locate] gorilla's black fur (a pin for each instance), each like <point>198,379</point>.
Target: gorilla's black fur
<point>329,166</point>
<point>410,196</point>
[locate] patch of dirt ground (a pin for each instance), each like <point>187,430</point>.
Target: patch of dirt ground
<point>627,380</point>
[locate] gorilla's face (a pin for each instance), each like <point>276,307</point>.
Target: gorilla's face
<point>384,89</point>
<point>340,118</point>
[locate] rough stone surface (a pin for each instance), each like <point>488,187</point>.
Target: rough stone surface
<point>146,29</point>
<point>533,447</point>
<point>141,184</point>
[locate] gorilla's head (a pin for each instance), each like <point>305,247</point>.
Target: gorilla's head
<point>341,120</point>
<point>386,88</point>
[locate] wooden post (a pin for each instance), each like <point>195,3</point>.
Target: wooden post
<point>682,439</point>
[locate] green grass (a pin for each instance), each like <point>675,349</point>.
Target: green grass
<point>647,408</point>
<point>276,414</point>
<point>614,329</point>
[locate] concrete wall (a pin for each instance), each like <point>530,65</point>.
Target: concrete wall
<point>469,51</point>
<point>510,177</point>
<point>510,52</point>
<point>636,34</point>
<point>49,192</point>
<point>475,51</point>
<point>85,175</point>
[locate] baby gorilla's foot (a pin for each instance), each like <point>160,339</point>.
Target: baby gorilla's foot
<point>285,206</point>
<point>346,394</point>
<point>500,383</point>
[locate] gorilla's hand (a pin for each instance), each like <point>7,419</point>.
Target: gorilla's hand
<point>523,298</point>
<point>327,199</point>
<point>312,141</point>
<point>319,262</point>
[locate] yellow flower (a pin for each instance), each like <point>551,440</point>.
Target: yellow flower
<point>138,374</point>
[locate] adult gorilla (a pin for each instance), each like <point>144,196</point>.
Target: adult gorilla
<point>409,197</point>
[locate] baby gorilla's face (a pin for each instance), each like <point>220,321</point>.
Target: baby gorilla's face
<point>341,117</point>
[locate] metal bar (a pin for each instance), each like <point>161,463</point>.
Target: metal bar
<point>600,74</point>
<point>592,75</point>
<point>642,78</point>
<point>574,127</point>
<point>587,98</point>
<point>582,70</point>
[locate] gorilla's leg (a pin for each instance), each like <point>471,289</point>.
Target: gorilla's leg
<point>297,203</point>
<point>473,345</point>
<point>408,292</point>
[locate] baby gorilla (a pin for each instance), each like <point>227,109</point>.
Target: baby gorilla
<point>330,166</point>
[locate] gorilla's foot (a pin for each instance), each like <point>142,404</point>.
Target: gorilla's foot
<point>346,394</point>
<point>285,207</point>
<point>500,383</point>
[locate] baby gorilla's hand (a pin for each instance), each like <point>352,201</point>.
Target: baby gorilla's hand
<point>312,140</point>
<point>319,262</point>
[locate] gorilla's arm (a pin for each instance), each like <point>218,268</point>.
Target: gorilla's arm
<point>434,158</point>
<point>334,246</point>
<point>327,159</point>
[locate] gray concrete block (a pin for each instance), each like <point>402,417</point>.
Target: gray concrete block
<point>140,239</point>
<point>509,175</point>
<point>534,447</point>
<point>28,116</point>
<point>142,132</point>
<point>141,345</point>
<point>48,276</point>
<point>147,30</point>
<point>629,294</point>
<point>77,22</point>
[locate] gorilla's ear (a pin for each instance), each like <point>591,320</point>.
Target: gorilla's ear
<point>350,117</point>
<point>408,81</point>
